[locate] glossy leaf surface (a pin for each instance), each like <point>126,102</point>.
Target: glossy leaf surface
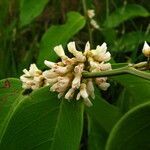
<point>41,121</point>
<point>132,132</point>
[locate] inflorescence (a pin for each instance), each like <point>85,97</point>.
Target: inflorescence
<point>65,77</point>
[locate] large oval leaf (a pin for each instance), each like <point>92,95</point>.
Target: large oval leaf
<point>41,121</point>
<point>136,91</point>
<point>29,9</point>
<point>60,34</point>
<point>97,136</point>
<point>103,112</point>
<point>132,132</point>
<point>130,41</point>
<point>125,13</point>
<point>10,96</point>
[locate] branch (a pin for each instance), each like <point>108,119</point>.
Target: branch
<point>114,72</point>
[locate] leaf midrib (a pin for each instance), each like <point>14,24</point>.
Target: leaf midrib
<point>10,114</point>
<point>57,125</point>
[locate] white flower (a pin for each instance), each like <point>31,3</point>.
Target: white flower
<point>62,70</point>
<point>32,79</point>
<point>69,61</point>
<point>72,49</point>
<point>93,64</point>
<point>104,86</point>
<point>58,68</point>
<point>146,49</point>
<point>61,85</point>
<point>51,81</point>
<point>91,13</point>
<point>94,24</point>
<point>76,81</point>
<point>70,94</point>
<point>50,74</point>
<point>34,71</point>
<point>90,88</point>
<point>49,64</point>
<point>60,52</point>
<point>99,66</point>
<point>84,94</point>
<point>105,66</point>
<point>100,53</point>
<point>101,82</point>
<point>78,74</point>
<point>87,48</point>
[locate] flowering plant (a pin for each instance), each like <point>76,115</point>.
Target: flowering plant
<point>79,95</point>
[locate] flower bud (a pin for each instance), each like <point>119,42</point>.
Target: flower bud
<point>146,49</point>
<point>62,70</point>
<point>34,71</point>
<point>49,64</point>
<point>101,82</point>
<point>104,86</point>
<point>77,54</point>
<point>104,67</point>
<point>61,85</point>
<point>60,52</point>
<point>84,94</point>
<point>50,74</point>
<point>70,94</point>
<point>87,48</point>
<point>91,13</point>
<point>51,81</point>
<point>90,88</point>
<point>94,24</point>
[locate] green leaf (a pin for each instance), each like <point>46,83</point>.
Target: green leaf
<point>97,136</point>
<point>30,9</point>
<point>122,14</point>
<point>41,121</point>
<point>132,132</point>
<point>110,35</point>
<point>103,112</point>
<point>59,34</point>
<point>68,130</point>
<point>10,95</point>
<point>130,41</point>
<point>136,91</point>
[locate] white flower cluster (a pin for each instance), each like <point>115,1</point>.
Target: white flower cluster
<point>65,77</point>
<point>32,79</point>
<point>91,15</point>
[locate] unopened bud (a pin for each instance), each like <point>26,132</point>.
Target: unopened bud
<point>72,49</point>
<point>91,13</point>
<point>94,24</point>
<point>60,51</point>
<point>146,49</point>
